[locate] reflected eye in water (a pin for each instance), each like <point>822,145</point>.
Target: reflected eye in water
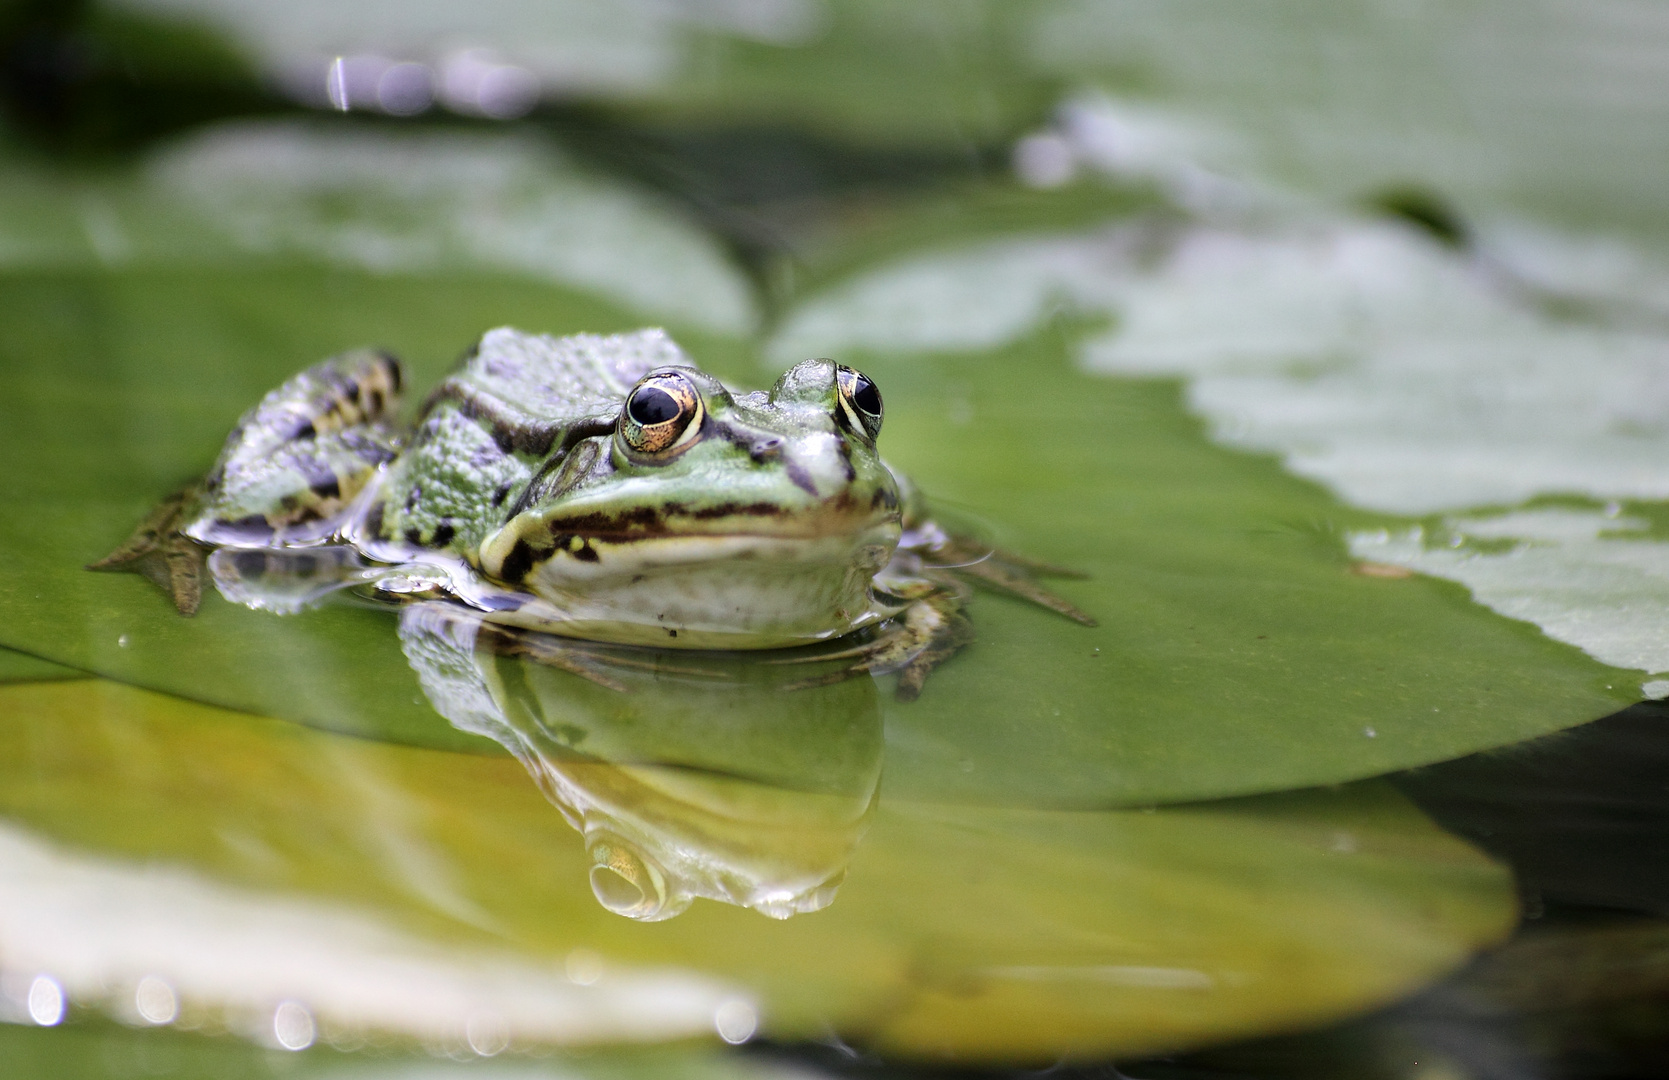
<point>690,775</point>
<point>627,883</point>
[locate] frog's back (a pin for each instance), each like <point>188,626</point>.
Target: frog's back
<point>512,416</point>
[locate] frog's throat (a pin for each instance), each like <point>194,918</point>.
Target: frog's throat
<point>717,591</point>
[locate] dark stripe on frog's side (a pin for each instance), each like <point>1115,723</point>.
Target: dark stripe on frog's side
<point>321,479</point>
<point>358,443</point>
<point>573,535</point>
<point>577,546</point>
<point>652,522</point>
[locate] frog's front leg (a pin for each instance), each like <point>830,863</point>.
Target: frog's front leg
<point>929,631</point>
<point>933,630</point>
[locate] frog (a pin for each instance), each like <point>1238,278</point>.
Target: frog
<point>589,487</point>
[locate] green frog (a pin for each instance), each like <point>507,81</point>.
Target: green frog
<point>593,487</point>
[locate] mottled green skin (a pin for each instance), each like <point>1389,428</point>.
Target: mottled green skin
<point>521,446</point>
<point>765,527</point>
<point>601,488</point>
<point>296,462</point>
<point>518,492</point>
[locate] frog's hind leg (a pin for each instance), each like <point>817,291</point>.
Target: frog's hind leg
<point>289,471</point>
<point>295,463</point>
<point>158,550</point>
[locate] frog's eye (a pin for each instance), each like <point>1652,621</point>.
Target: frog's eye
<point>860,401</point>
<point>662,413</point>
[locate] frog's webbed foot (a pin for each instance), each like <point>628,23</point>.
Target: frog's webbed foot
<point>928,632</point>
<point>1006,572</point>
<point>935,629</point>
<point>160,552</point>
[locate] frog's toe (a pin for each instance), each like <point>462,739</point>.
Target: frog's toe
<point>171,561</point>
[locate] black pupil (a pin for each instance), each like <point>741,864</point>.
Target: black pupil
<point>865,396</point>
<point>652,405</point>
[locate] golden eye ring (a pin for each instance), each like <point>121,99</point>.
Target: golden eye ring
<point>662,414</point>
<point>860,402</point>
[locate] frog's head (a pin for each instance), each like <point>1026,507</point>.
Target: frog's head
<point>712,520</point>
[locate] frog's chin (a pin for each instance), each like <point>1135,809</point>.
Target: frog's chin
<point>709,592</point>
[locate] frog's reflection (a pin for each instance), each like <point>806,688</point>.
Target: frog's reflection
<point>689,775</point>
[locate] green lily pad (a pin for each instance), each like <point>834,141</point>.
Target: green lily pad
<point>124,385</point>
<point>391,201</point>
<point>21,667</point>
<point>1237,652</point>
<point>964,933</point>
<point>1240,648</point>
<point>928,78</point>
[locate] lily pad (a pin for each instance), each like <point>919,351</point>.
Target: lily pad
<point>411,202</point>
<point>21,667</point>
<point>123,386</point>
<point>964,933</point>
<point>1237,651</point>
<point>931,76</point>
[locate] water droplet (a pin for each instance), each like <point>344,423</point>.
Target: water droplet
<point>584,967</point>
<point>122,642</point>
<point>1370,733</point>
<point>735,1021</point>
<point>292,1025</point>
<point>155,1001</point>
<point>487,1034</point>
<point>46,1001</point>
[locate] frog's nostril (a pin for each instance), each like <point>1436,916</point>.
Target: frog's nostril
<point>766,449</point>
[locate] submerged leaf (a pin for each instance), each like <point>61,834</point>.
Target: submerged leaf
<point>964,933</point>
<point>21,667</point>
<point>1236,652</point>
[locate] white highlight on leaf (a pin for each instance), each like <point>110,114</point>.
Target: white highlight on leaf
<point>1574,574</point>
<point>567,47</point>
<point>287,971</point>
<point>422,202</point>
<point>46,1001</point>
<point>1404,375</point>
<point>154,1001</point>
<point>736,1021</point>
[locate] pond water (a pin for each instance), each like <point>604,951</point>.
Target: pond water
<point>1348,400</point>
